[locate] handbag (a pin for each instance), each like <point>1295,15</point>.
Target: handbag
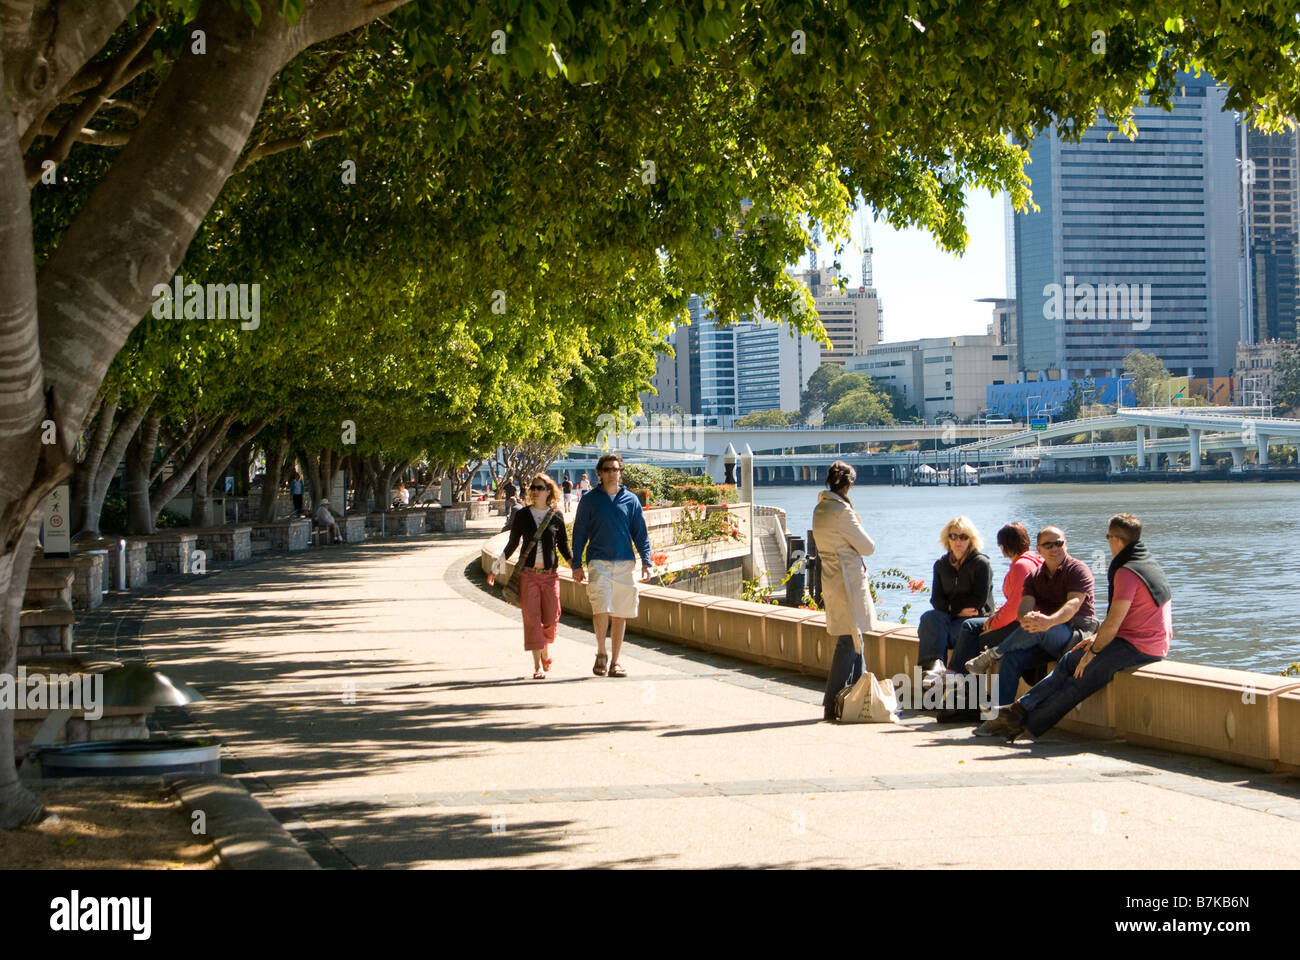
<point>867,701</point>
<point>510,589</point>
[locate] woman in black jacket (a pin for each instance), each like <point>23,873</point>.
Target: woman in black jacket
<point>539,581</point>
<point>962,589</point>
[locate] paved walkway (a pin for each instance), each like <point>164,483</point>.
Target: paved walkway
<point>378,700</point>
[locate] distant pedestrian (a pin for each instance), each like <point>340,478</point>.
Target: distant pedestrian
<point>567,486</point>
<point>539,580</point>
<point>296,491</point>
<point>608,527</point>
<point>841,546</point>
<point>508,489</point>
<point>584,486</point>
<point>403,496</point>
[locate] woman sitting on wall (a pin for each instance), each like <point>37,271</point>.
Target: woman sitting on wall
<point>962,589</point>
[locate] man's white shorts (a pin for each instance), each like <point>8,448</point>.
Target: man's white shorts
<point>611,587</point>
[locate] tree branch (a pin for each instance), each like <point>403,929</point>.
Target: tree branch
<point>264,150</point>
<point>58,150</point>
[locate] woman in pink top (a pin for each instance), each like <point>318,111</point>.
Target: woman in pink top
<point>986,633</point>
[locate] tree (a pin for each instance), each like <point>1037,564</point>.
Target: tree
<point>865,405</point>
<point>1146,371</point>
<point>769,418</point>
<point>815,394</point>
<point>1286,381</point>
<point>1073,406</point>
<point>660,119</point>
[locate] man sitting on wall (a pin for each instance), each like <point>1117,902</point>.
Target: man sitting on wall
<point>325,518</point>
<point>1137,630</point>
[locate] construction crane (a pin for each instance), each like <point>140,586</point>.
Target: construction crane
<point>867,250</point>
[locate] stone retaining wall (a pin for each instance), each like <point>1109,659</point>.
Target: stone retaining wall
<point>1252,719</point>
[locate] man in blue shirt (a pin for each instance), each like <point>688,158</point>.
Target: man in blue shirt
<point>608,524</point>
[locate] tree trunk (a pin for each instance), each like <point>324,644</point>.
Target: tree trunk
<point>199,504</point>
<point>59,335</point>
<point>17,805</point>
<point>277,457</point>
<point>139,461</point>
<point>83,480</point>
<point>182,471</point>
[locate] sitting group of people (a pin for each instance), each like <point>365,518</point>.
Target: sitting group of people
<point>1048,613</point>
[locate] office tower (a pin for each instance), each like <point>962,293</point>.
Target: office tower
<point>1270,182</point>
<point>1137,244</point>
<point>711,359</point>
<point>773,364</point>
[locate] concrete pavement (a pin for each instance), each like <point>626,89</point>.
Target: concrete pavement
<point>378,700</point>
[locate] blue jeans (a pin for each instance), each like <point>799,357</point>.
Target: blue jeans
<point>970,641</point>
<point>1024,650</point>
<point>846,667</point>
<point>938,633</point>
<point>1062,691</point>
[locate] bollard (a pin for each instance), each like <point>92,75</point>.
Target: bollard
<point>794,587</point>
<point>121,564</point>
<point>813,569</point>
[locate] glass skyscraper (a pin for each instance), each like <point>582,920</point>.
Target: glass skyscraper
<point>712,362</point>
<point>1137,244</point>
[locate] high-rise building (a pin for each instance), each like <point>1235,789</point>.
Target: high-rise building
<point>1273,217</point>
<point>773,364</point>
<point>666,397</point>
<point>852,319</point>
<point>1137,244</point>
<point>711,357</point>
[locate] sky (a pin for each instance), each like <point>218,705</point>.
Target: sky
<point>925,292</point>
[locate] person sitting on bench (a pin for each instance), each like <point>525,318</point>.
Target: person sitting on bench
<point>325,518</point>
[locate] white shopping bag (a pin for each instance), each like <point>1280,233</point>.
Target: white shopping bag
<point>867,701</point>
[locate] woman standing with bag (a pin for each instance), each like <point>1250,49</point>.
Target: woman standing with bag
<point>841,545</point>
<point>540,527</point>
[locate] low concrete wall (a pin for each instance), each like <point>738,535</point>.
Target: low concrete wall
<point>445,519</point>
<point>284,535</point>
<point>1252,719</point>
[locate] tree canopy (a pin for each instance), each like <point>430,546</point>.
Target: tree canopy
<point>582,167</point>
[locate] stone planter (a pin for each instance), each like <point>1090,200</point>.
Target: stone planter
<point>446,520</point>
<point>284,536</point>
<point>172,553</point>
<point>478,509</point>
<point>87,576</point>
<point>353,527</point>
<point>406,523</point>
<point>227,544</point>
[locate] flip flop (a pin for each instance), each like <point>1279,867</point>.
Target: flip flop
<point>539,675</point>
<point>546,664</point>
<point>617,671</point>
<point>599,668</point>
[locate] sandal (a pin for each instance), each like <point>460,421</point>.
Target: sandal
<point>599,668</point>
<point>539,675</point>
<point>617,671</point>
<point>546,664</point>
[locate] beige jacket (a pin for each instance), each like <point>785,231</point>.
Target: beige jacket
<point>841,545</point>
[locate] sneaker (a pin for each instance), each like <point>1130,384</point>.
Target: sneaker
<point>984,662</point>
<point>1009,723</point>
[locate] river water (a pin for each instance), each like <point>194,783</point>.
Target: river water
<point>1231,550</point>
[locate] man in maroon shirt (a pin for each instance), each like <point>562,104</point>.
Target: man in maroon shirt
<point>1057,601</point>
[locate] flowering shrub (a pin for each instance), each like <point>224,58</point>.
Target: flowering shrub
<point>697,525</point>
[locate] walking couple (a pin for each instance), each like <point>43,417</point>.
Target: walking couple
<point>608,525</point>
